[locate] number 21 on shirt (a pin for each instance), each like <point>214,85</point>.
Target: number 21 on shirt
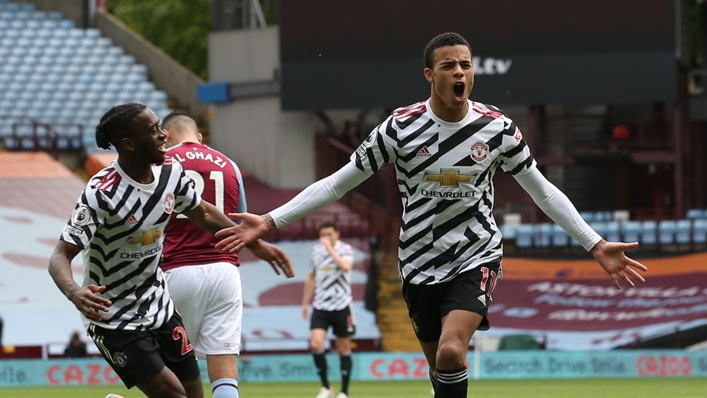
<point>199,185</point>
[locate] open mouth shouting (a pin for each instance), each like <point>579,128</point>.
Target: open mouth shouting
<point>459,91</point>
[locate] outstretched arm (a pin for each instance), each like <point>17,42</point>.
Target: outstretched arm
<point>211,219</point>
<point>558,207</point>
<point>311,199</point>
<point>208,217</point>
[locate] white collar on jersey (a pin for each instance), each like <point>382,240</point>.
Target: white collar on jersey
<point>453,125</point>
<point>143,187</point>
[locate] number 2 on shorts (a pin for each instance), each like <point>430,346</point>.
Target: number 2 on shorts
<point>180,333</point>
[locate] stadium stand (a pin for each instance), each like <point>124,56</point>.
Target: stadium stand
<point>56,81</point>
<point>684,235</point>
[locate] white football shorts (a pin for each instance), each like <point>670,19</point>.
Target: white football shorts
<point>209,299</point>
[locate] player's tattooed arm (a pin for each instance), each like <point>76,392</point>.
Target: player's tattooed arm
<point>251,227</point>
<point>269,221</point>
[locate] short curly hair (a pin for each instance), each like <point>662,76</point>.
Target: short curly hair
<point>443,40</point>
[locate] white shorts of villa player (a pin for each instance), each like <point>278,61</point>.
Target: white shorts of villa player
<point>209,299</point>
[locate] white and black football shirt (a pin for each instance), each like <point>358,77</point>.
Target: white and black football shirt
<point>120,225</point>
<point>445,172</point>
<point>332,286</point>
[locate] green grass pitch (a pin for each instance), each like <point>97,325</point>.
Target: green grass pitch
<point>585,388</point>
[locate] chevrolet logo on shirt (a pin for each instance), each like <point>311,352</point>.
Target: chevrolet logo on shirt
<point>148,238</point>
<point>450,177</point>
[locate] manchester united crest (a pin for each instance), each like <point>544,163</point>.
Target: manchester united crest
<point>169,203</point>
<point>479,152</point>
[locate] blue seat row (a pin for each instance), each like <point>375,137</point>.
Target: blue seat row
<point>72,132</point>
<point>6,5</point>
<point>694,214</point>
<point>102,48</point>
<point>48,31</point>
<point>44,42</point>
<point>666,232</point>
<point>62,91</point>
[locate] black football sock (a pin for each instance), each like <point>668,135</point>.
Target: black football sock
<point>452,383</point>
<point>320,363</point>
<point>345,373</point>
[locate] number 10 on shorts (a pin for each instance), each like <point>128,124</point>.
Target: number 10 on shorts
<point>485,279</point>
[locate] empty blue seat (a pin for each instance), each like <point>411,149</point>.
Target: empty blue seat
<point>543,231</point>
<point>39,16</point>
<point>559,237</point>
<point>507,231</point>
<point>33,25</point>
<point>139,69</point>
<point>682,231</point>
<point>666,232</point>
<point>631,231</point>
<point>648,232</point>
<point>66,24</point>
<point>158,96</point>
<point>49,24</point>
<point>55,15</point>
<point>23,15</point>
<point>23,42</point>
<point>34,52</point>
<point>99,51</point>
<point>696,214</point>
<point>699,231</point>
<point>87,42</point>
<point>102,78</point>
<point>128,60</point>
<point>25,68</point>
<point>33,88</point>
<point>27,7</point>
<point>146,86</point>
<point>72,42</point>
<point>524,235</point>
<point>68,52</point>
<point>103,44</point>
<point>612,231</point>
<point>30,32</point>
<point>76,33</point>
<point>115,51</point>
<point>92,97</point>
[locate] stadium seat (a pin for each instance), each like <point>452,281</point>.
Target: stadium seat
<point>49,23</point>
<point>696,214</point>
<point>599,227</point>
<point>631,231</point>
<point>103,44</point>
<point>648,232</point>
<point>524,235</point>
<point>682,231</point>
<point>507,231</point>
<point>66,24</point>
<point>612,231</point>
<point>52,71</point>
<point>55,15</point>
<point>76,33</point>
<point>559,237</point>
<point>699,231</point>
<point>543,235</point>
<point>666,232</point>
<point>92,32</point>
